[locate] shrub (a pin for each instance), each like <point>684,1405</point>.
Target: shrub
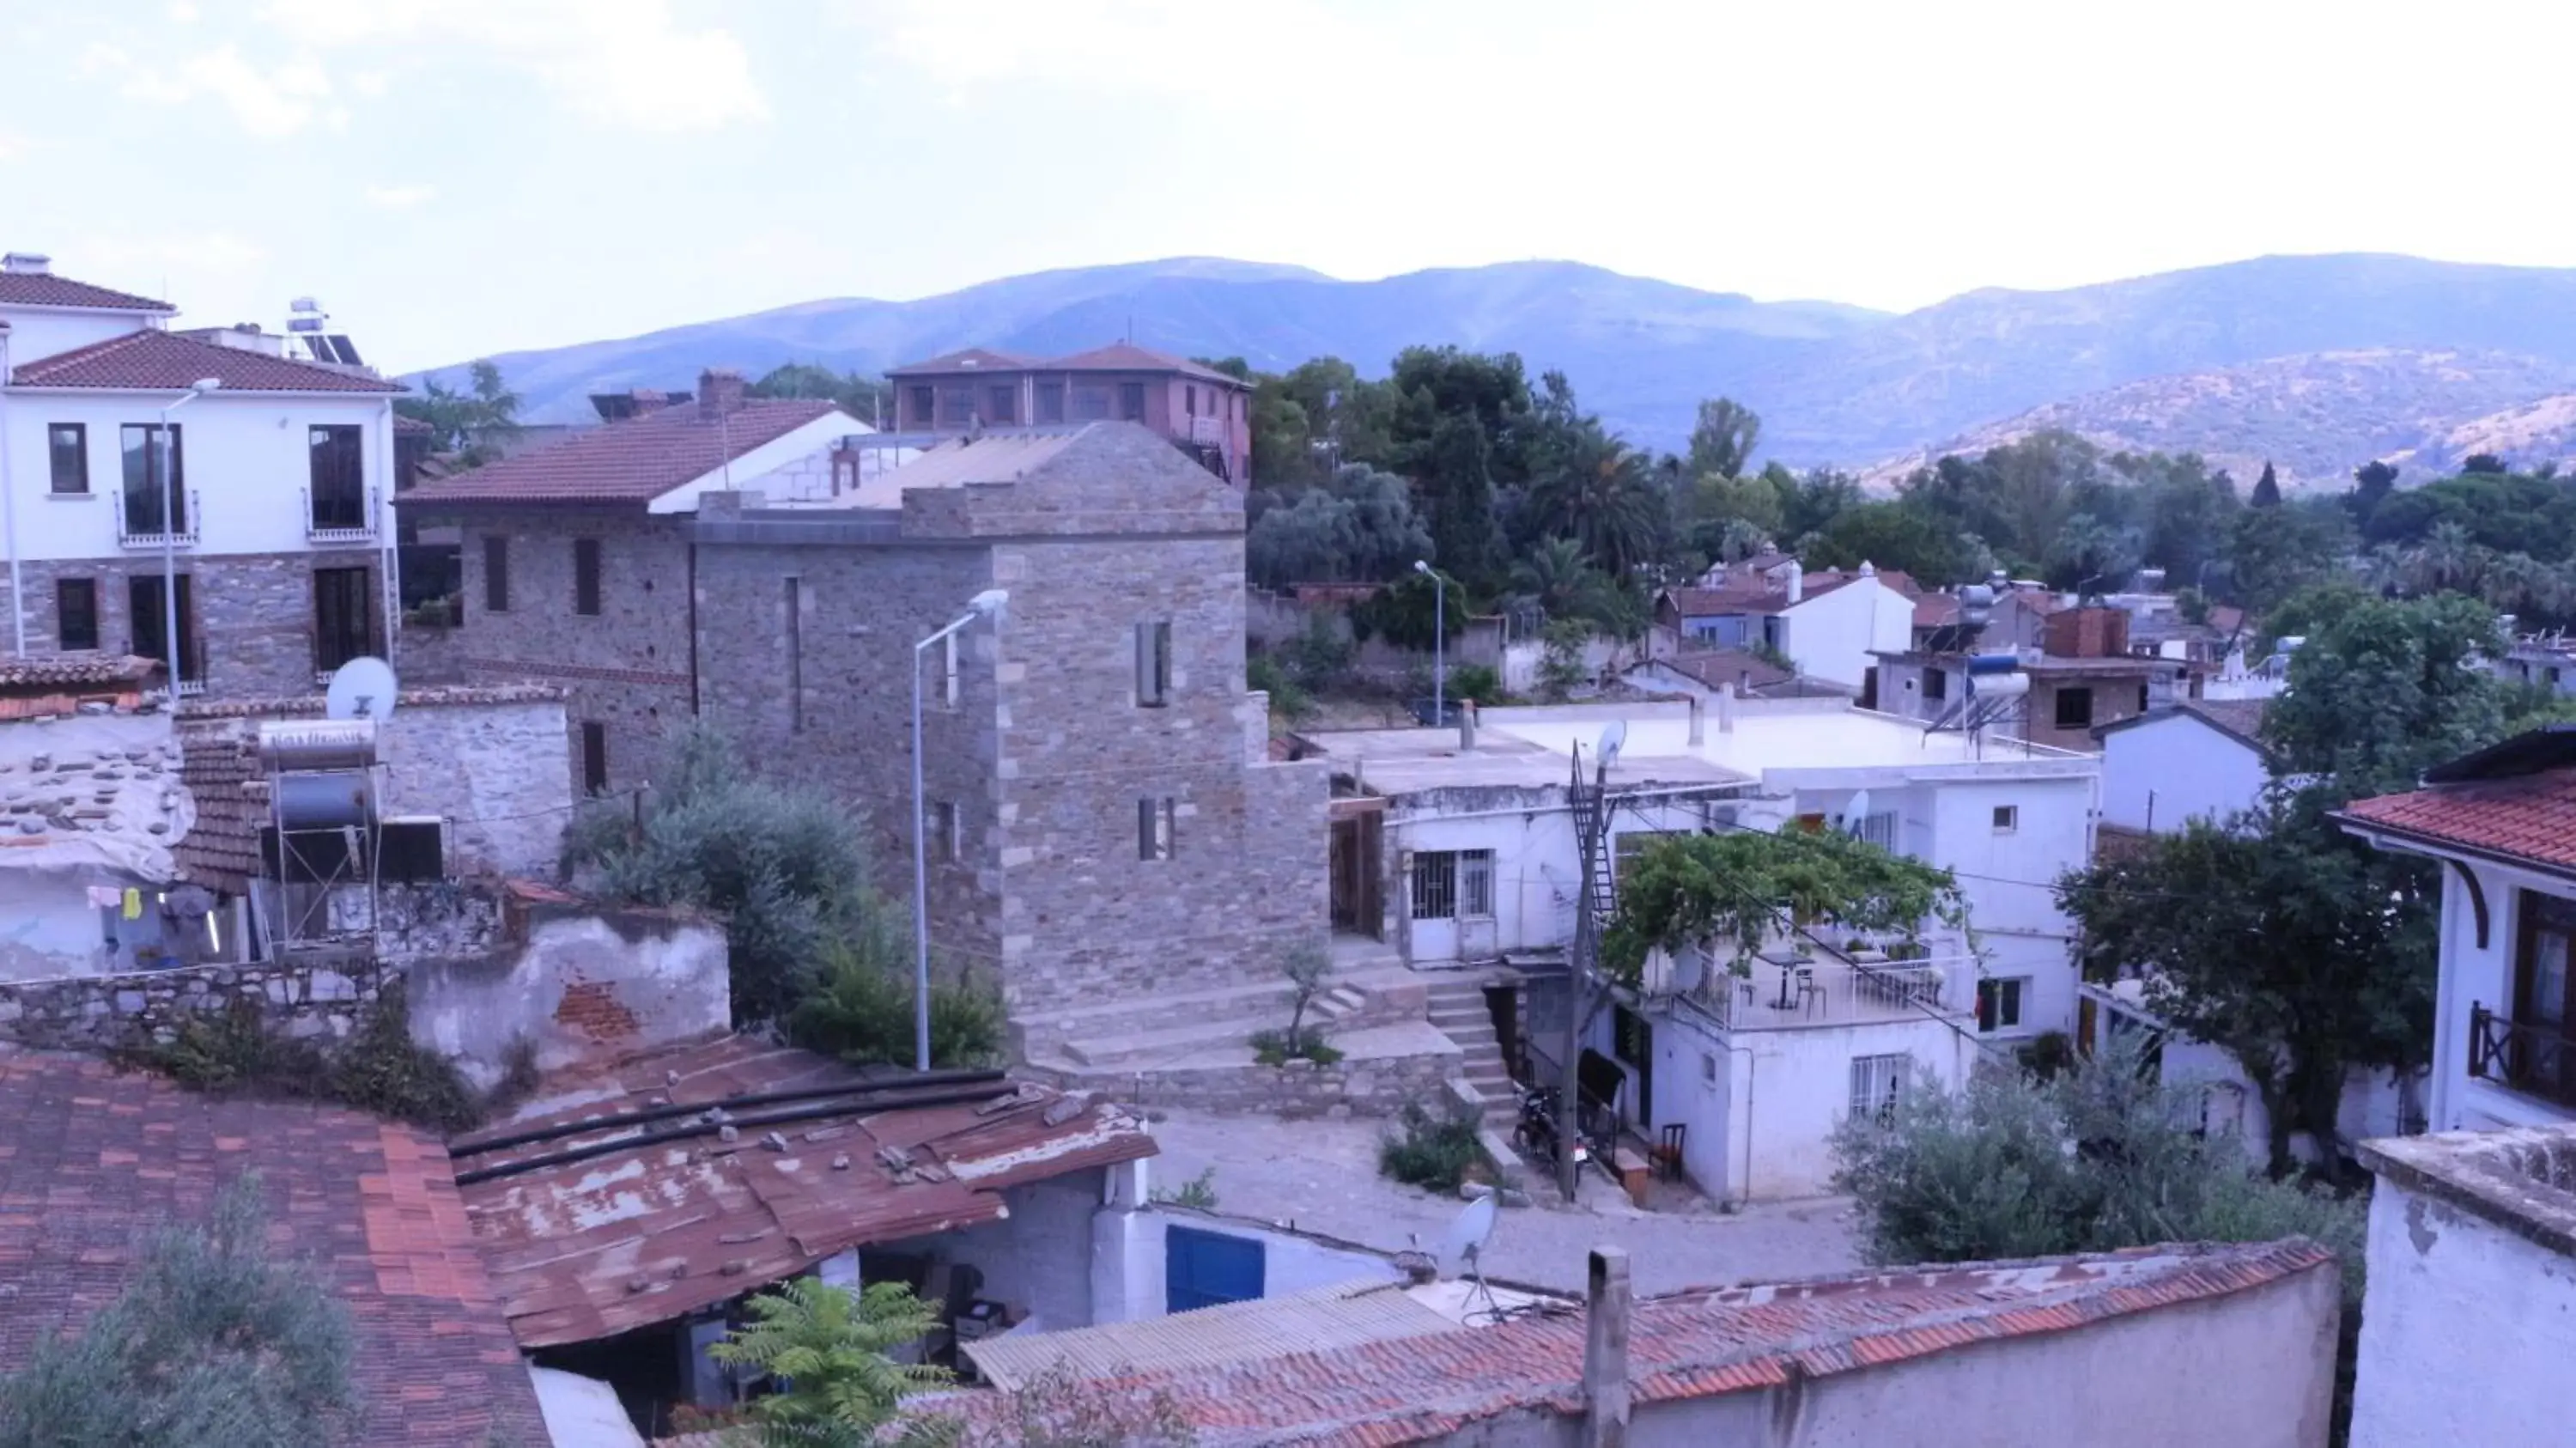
<point>211,1344</point>
<point>863,1012</point>
<point>1476,681</point>
<point>378,1069</point>
<point>1278,1048</point>
<point>1289,700</point>
<point>1198,1193</point>
<point>828,1346</point>
<point>381,1070</point>
<point>1436,1153</point>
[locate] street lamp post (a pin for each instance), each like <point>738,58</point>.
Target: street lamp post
<point>164,446</point>
<point>1439,642</point>
<point>987,604</point>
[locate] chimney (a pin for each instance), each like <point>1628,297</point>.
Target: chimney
<point>27,264</point>
<point>1794,580</point>
<point>1466,726</point>
<point>719,392</point>
<point>1605,1351</point>
<point>1699,723</point>
<point>1726,708</point>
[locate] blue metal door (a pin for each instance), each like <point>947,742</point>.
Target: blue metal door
<point>1202,1269</point>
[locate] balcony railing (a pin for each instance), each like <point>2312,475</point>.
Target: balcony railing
<point>146,531</point>
<point>2534,1060</point>
<point>1204,429</point>
<point>1781,990</point>
<point>333,525</point>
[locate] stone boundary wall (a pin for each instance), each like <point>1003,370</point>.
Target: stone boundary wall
<point>105,1012</point>
<point>1377,1086</point>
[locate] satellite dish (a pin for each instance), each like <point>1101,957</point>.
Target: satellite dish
<point>1463,1244</point>
<point>362,688</point>
<point>1855,812</point>
<point>1611,738</point>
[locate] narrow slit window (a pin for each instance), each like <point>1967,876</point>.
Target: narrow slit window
<point>1154,664</point>
<point>1155,818</point>
<point>585,577</point>
<point>496,573</point>
<point>795,606</point>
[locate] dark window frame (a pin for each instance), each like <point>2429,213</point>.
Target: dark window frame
<point>1004,400</point>
<point>344,616</point>
<point>1936,686</point>
<point>1158,827</point>
<point>65,589</point>
<point>1131,402</point>
<point>2001,1002</point>
<point>594,757</point>
<point>2067,694</point>
<point>78,471</point>
<point>1154,664</point>
<point>143,495</point>
<point>922,403</point>
<point>1050,403</point>
<point>336,474</point>
<point>496,573</point>
<point>2537,915</point>
<point>586,566</point>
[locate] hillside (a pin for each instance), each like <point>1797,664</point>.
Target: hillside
<point>2315,416</point>
<point>1834,384</point>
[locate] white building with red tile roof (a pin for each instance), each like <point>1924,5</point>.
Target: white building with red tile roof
<point>2503,823</point>
<point>227,467</point>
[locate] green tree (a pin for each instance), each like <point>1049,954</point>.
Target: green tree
<point>868,399</point>
<point>1438,387</point>
<point>829,1346</point>
<point>1895,535</point>
<point>472,426</point>
<point>861,1007</point>
<point>1457,486</point>
<point>2384,689</point>
<point>2372,482</point>
<point>1408,612</point>
<point>2267,488</point>
<point>786,869</point>
<point>1603,498</point>
<point>211,1343</point>
<point>1358,527</point>
<point>2274,552</point>
<point>1740,887</point>
<point>2300,954</point>
<point>1723,439</point>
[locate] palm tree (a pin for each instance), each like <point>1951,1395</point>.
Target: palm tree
<point>1603,496</point>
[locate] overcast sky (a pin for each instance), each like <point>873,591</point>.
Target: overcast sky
<point>456,177</point>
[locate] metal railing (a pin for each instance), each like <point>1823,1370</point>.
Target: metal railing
<point>2532,1059</point>
<point>335,531</point>
<point>132,532</point>
<point>1825,988</point>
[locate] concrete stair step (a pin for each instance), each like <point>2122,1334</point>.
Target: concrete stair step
<point>1140,1048</point>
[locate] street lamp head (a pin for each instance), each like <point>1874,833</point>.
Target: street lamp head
<point>205,384</point>
<point>1422,567</point>
<point>990,601</point>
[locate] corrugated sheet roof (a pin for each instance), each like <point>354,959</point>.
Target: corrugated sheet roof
<point>581,1250</point>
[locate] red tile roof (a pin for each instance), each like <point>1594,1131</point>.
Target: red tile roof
<point>632,461</point>
<point>165,361</point>
<point>588,1249</point>
<point>1696,1344</point>
<point>2531,819</point>
<point>46,671</point>
<point>1713,667</point>
<point>965,359</point>
<point>92,1158</point>
<point>1116,357</point>
<point>22,289</point>
<point>1936,610</point>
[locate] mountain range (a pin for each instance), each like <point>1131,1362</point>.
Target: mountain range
<point>2318,363</point>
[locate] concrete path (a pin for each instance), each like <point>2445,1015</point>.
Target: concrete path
<point>1322,1176</point>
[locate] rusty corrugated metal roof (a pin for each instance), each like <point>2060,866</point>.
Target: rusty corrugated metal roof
<point>641,1230</point>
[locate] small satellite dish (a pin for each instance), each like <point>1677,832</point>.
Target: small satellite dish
<point>362,688</point>
<point>1463,1245</point>
<point>1611,739</point>
<point>1855,812</point>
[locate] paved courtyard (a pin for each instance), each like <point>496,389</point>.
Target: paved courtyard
<point>1321,1176</point>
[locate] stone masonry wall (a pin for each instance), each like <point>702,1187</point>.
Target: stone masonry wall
<point>627,667</point>
<point>1381,1087</point>
<point>103,1013</point>
<point>254,611</point>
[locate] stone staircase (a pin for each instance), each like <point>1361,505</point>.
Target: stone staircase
<point>1196,1029</point>
<point>1458,1010</point>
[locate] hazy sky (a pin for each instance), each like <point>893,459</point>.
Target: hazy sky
<point>454,177</point>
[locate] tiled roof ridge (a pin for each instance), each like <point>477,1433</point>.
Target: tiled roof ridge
<point>38,373</point>
<point>630,461</point>
<point>430,696</point>
<point>70,292</point>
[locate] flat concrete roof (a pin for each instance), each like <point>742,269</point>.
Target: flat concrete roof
<point>1528,747</point>
<point>1405,761</point>
<point>1776,735</point>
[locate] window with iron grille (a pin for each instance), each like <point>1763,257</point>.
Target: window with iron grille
<point>1002,406</point>
<point>1879,829</point>
<point>76,613</point>
<point>1876,1082</point>
<point>924,400</point>
<point>956,406</point>
<point>1435,885</point>
<point>1476,884</point>
<point>1091,404</point>
<point>2075,708</point>
<point>338,472</point>
<point>1050,402</point>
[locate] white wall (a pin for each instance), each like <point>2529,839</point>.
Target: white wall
<point>796,466</point>
<point>1762,1130</point>
<point>245,459</point>
<point>2467,1333</point>
<point>2474,976</point>
<point>1531,834</point>
<point>1831,636</point>
<point>1038,1259</point>
<point>48,928</point>
<point>2174,768</point>
<point>2009,877</point>
<point>35,334</point>
<point>1128,1282</point>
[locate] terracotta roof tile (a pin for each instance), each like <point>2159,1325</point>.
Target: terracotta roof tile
<point>1694,1344</point>
<point>1116,357</point>
<point>965,359</point>
<point>1728,666</point>
<point>166,361</point>
<point>632,461</point>
<point>2531,818</point>
<point>22,289</point>
<point>219,766</point>
<point>112,1155</point>
<point>44,671</point>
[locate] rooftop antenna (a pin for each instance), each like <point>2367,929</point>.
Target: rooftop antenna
<point>1607,751</point>
<point>363,688</point>
<point>1462,1251</point>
